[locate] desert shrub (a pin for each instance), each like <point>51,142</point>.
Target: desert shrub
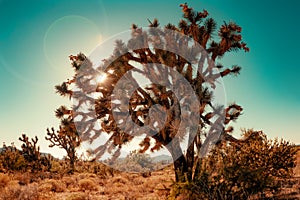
<point>52,185</point>
<point>135,162</point>
<point>237,170</point>
<point>4,180</point>
<point>23,178</point>
<point>11,159</point>
<point>69,181</point>
<point>44,175</point>
<point>56,167</point>
<point>87,185</point>
<point>57,186</point>
<point>17,192</point>
<point>29,192</point>
<point>11,193</point>
<point>94,167</point>
<point>86,175</point>
<point>120,179</point>
<point>45,187</point>
<point>78,196</point>
<point>59,167</point>
<point>103,170</point>
<point>31,152</point>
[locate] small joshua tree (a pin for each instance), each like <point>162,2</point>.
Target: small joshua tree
<point>30,149</point>
<point>32,155</point>
<point>67,136</point>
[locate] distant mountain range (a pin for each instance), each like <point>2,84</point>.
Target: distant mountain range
<point>155,159</point>
<point>162,158</point>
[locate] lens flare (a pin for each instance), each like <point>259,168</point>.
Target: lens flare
<point>101,78</point>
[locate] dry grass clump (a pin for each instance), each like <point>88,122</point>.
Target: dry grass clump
<point>70,182</point>
<point>29,192</point>
<point>18,192</point>
<point>138,180</point>
<point>87,184</point>
<point>135,186</point>
<point>120,179</point>
<point>4,180</point>
<point>45,188</point>
<point>118,185</point>
<point>22,178</point>
<point>99,169</point>
<point>86,175</point>
<point>78,196</point>
<point>50,185</point>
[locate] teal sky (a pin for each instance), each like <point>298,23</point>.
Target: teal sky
<point>37,36</point>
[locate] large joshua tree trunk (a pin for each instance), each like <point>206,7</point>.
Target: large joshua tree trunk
<point>72,159</point>
<point>183,163</point>
<point>179,161</point>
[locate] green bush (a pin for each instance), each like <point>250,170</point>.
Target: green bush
<point>135,162</point>
<point>253,165</point>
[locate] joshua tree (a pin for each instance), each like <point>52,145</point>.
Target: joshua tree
<point>32,155</point>
<point>163,112</point>
<point>67,136</point>
<point>30,149</point>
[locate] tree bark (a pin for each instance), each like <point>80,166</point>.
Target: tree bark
<point>197,168</point>
<point>190,157</point>
<point>72,157</point>
<point>179,161</point>
<point>72,166</point>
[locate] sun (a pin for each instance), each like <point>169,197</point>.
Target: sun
<point>101,78</point>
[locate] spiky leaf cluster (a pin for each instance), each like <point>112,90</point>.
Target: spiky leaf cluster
<point>67,136</point>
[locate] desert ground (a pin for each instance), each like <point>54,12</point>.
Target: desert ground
<point>104,185</point>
